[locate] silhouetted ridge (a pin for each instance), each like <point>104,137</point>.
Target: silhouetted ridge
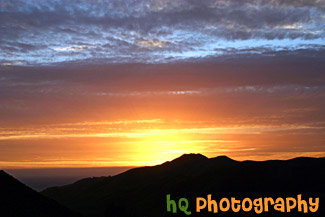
<point>142,191</point>
<point>186,158</point>
<point>18,200</point>
<point>223,158</point>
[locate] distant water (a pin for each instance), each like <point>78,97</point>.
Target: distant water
<point>40,179</point>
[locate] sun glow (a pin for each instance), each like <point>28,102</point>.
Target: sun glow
<point>158,146</point>
<point>142,142</point>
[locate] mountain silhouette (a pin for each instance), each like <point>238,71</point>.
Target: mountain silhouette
<point>18,200</point>
<point>142,191</point>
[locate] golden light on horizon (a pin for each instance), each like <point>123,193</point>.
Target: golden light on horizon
<point>138,143</point>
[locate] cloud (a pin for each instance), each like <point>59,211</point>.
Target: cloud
<point>12,63</point>
<point>281,89</point>
<point>153,31</point>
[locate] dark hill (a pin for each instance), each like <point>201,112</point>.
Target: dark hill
<point>18,200</point>
<point>142,191</point>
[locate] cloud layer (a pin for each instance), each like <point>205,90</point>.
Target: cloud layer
<point>46,32</point>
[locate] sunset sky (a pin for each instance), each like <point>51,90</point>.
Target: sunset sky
<point>130,83</point>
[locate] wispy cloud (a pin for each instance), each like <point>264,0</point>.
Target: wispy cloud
<point>45,32</point>
<point>75,131</point>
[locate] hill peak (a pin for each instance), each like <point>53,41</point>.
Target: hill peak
<point>223,158</point>
<point>186,158</point>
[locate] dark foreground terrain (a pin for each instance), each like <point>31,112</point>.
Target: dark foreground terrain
<point>142,191</point>
<point>18,200</point>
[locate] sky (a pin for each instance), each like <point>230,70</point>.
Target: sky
<point>129,83</point>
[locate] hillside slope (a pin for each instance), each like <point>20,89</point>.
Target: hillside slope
<point>142,191</point>
<point>18,200</point>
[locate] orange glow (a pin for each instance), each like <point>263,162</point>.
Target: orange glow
<point>137,115</point>
<point>143,142</point>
